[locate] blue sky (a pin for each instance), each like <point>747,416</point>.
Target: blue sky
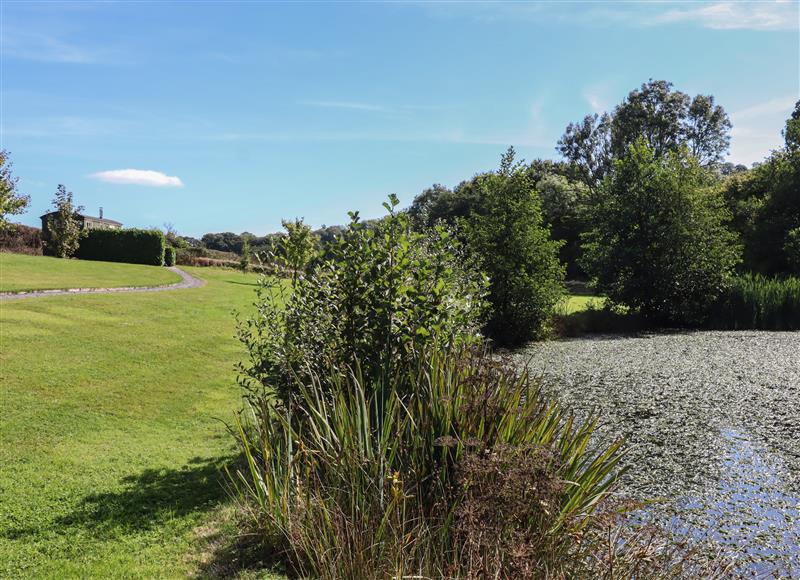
<point>235,115</point>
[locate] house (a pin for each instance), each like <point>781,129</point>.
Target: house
<point>86,222</point>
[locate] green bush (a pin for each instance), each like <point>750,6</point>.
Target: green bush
<point>507,233</point>
<point>129,245</point>
<point>659,244</point>
<point>758,302</point>
<point>384,293</point>
<point>169,256</point>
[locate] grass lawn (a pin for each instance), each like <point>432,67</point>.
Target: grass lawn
<point>20,272</point>
<point>110,439</point>
<point>575,303</point>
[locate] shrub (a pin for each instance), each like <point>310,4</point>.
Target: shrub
<point>169,256</point>
<point>384,293</point>
<point>125,245</point>
<point>62,232</point>
<point>508,234</point>
<point>658,243</point>
<point>455,466</point>
<point>21,239</point>
<point>758,302</point>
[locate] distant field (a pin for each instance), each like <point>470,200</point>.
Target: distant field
<point>576,303</point>
<point>111,440</point>
<point>19,272</point>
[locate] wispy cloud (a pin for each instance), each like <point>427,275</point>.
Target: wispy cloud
<point>736,15</point>
<point>720,15</point>
<point>138,177</point>
<point>781,105</point>
<point>47,48</point>
<point>350,105</point>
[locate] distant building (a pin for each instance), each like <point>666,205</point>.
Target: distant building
<point>87,222</point>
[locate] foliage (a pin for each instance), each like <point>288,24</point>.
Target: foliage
<point>563,206</point>
<point>766,206</point>
<point>658,243</point>
<point>367,480</point>
<point>133,246</point>
<point>758,302</point>
<point>513,245</point>
<point>386,293</point>
<point>246,258</point>
<point>791,249</point>
<point>12,202</point>
<point>298,249</point>
<point>63,233</point>
<point>224,242</point>
<point>169,256</point>
<point>21,239</point>
<point>666,119</point>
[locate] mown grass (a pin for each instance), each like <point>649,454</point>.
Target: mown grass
<point>110,447</point>
<point>578,303</point>
<point>20,272</point>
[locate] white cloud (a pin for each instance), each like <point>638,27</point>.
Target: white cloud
<point>139,177</point>
<point>733,15</point>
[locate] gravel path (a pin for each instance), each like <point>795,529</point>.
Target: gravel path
<point>712,421</point>
<point>187,281</point>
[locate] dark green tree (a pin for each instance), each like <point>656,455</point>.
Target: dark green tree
<point>246,257</point>
<point>665,118</point>
<point>507,232</point>
<point>12,201</point>
<point>659,242</point>
<point>63,229</point>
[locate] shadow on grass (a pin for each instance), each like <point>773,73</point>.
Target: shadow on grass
<point>151,497</point>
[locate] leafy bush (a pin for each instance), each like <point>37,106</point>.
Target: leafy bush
<point>755,301</point>
<point>513,244</point>
<point>385,293</point>
<point>169,256</point>
<point>658,243</point>
<point>21,239</point>
<point>125,245</point>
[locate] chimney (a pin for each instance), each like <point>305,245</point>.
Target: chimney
<point>101,213</point>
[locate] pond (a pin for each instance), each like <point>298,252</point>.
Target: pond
<point>712,424</point>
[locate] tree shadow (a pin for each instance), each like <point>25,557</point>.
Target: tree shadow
<point>242,283</point>
<point>151,497</point>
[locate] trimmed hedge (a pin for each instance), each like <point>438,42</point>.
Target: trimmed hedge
<point>133,246</point>
<point>169,256</point>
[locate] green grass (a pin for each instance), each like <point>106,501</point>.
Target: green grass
<point>19,272</point>
<point>578,303</point>
<point>110,443</point>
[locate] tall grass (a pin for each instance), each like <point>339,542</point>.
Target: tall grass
<point>758,302</point>
<point>457,467</point>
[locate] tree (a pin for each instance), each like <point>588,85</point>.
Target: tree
<point>12,202</point>
<point>563,206</point>
<point>659,242</point>
<point>765,202</point>
<point>63,230</point>
<point>244,261</point>
<point>298,248</point>
<point>666,119</point>
<point>506,231</point>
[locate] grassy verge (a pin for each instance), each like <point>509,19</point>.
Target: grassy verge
<point>19,272</point>
<point>110,446</point>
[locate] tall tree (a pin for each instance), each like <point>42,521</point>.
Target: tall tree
<point>507,232</point>
<point>664,118</point>
<point>63,229</point>
<point>659,242</point>
<point>12,201</point>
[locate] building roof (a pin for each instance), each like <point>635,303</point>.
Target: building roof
<point>84,216</point>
